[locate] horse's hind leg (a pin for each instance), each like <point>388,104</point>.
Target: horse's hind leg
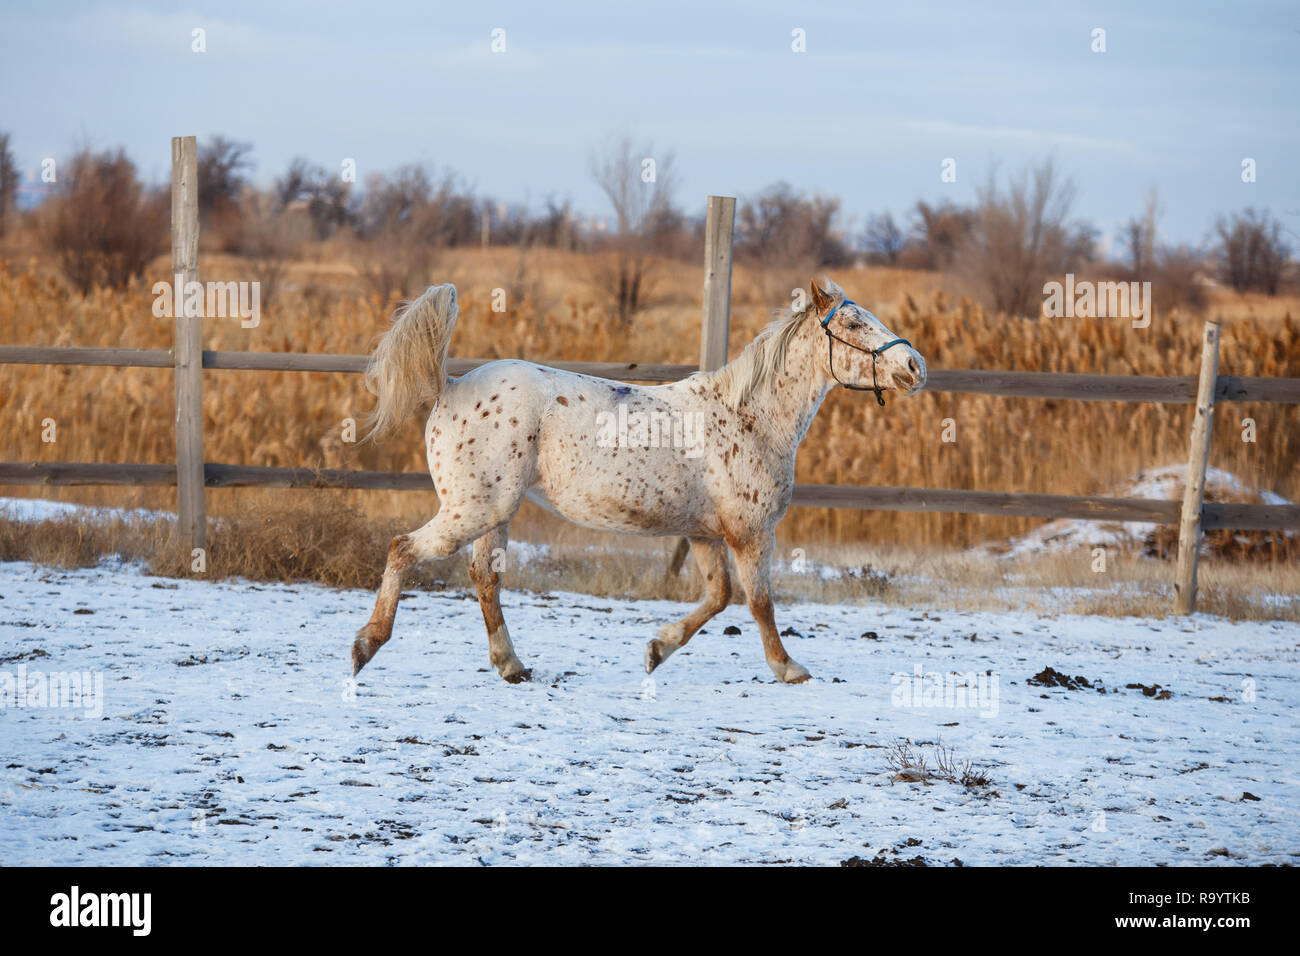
<point>711,560</point>
<point>489,551</point>
<point>440,538</point>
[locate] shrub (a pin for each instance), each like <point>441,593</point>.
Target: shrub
<point>101,224</point>
<point>1252,253</point>
<point>937,232</point>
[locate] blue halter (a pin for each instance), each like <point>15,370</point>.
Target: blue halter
<point>832,338</point>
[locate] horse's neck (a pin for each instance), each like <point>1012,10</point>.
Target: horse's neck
<point>789,402</point>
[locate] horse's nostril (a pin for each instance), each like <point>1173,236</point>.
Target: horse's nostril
<point>912,366</point>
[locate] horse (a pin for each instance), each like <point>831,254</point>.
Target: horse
<point>594,451</point>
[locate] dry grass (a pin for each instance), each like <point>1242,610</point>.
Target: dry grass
<point>1133,586</point>
<point>326,539</point>
<point>322,540</point>
<point>287,418</point>
<point>82,541</point>
<point>911,765</point>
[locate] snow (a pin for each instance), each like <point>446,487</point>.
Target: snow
<point>41,509</point>
<point>229,731</point>
<point>1156,484</point>
<point>1167,484</point>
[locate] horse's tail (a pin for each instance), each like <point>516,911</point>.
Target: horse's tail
<point>408,366</point>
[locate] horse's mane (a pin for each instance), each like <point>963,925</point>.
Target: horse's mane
<point>761,361</point>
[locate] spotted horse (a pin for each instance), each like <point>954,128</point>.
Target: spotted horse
<point>722,478</point>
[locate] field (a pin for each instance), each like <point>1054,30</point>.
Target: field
<point>1072,724</point>
<point>227,731</point>
<point>557,311</point>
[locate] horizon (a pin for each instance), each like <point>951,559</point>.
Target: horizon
<point>996,92</point>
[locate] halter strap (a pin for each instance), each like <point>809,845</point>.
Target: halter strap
<point>832,338</point>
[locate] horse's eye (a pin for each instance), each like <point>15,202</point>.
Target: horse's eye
<point>853,325</point>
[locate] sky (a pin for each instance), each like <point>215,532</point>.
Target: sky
<point>880,97</point>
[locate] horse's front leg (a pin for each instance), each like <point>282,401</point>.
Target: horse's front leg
<point>754,564</point>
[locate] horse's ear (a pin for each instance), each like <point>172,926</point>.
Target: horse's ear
<point>821,298</point>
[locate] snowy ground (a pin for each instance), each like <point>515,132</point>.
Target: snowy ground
<point>229,732</point>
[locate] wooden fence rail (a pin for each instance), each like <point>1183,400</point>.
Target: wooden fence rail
<point>1079,387</point>
<point>191,475</point>
<point>1242,517</point>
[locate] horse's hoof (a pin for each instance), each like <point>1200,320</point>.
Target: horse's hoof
<point>361,654</point>
<point>653,656</point>
<point>517,675</point>
<point>791,672</point>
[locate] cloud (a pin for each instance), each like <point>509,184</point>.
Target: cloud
<point>1019,137</point>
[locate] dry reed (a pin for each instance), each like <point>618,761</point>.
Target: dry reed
<point>292,418</point>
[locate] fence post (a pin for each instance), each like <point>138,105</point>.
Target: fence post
<point>715,323</point>
<point>187,353</point>
<point>1189,528</point>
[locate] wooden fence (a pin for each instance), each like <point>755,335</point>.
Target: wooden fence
<point>191,475</point>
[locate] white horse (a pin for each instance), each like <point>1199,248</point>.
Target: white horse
<point>594,451</point>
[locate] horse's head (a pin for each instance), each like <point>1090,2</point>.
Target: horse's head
<point>861,353</point>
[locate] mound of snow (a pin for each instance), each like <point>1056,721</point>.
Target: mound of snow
<point>1157,484</point>
<point>40,509</point>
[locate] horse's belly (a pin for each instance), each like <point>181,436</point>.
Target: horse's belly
<point>587,517</point>
<point>649,503</point>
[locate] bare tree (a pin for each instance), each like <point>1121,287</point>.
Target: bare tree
<point>554,227</point>
<point>400,234</point>
<point>8,185</point>
<point>640,187</point>
<point>883,240</point>
<point>1139,236</point>
<point>223,165</point>
<point>328,199</point>
<point>1252,253</point>
<point>787,235</point>
<point>1174,272</point>
<point>296,182</point>
<point>938,230</point>
<point>782,227</point>
<point>406,218</point>
<point>222,168</point>
<point>638,184</point>
<point>1020,235</point>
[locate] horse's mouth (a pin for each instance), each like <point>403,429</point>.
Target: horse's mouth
<point>907,385</point>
